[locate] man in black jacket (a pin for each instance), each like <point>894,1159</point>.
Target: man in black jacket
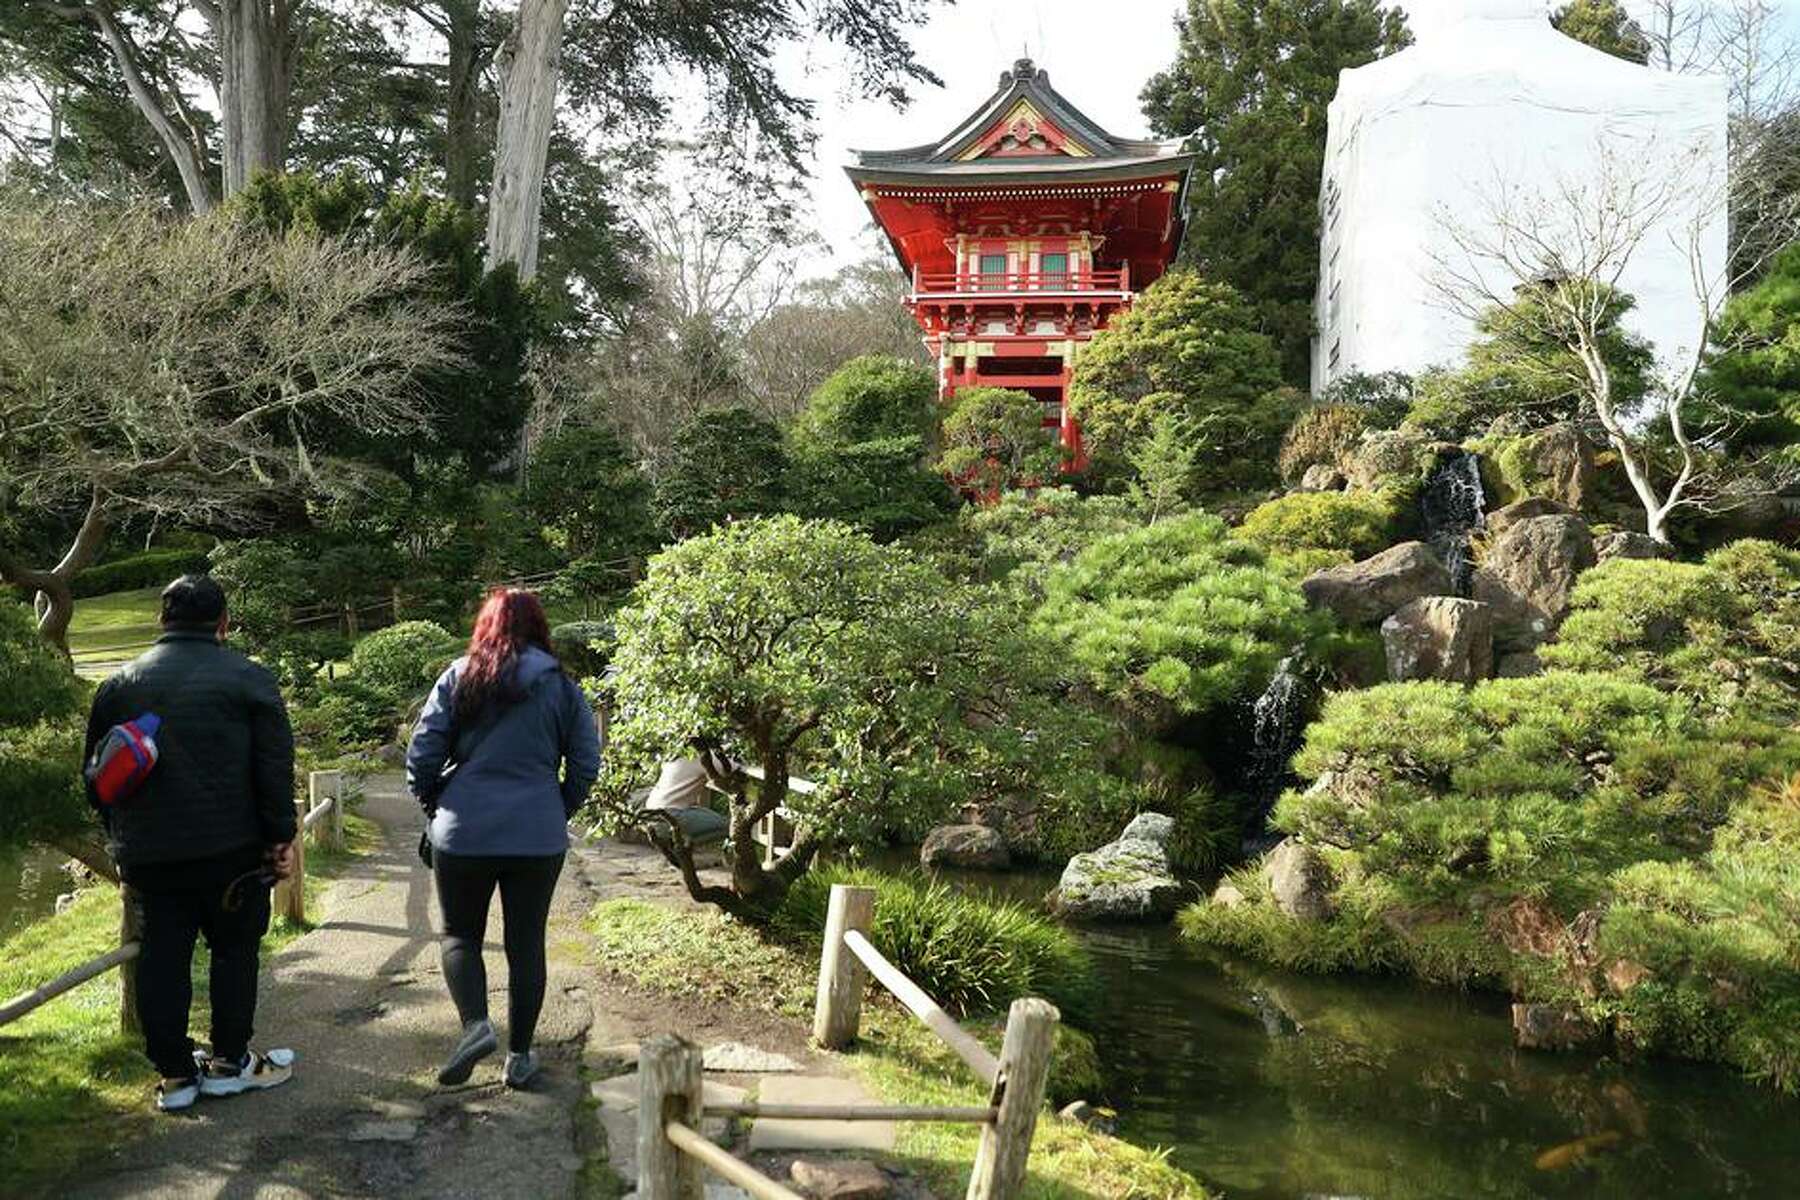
<point>198,842</point>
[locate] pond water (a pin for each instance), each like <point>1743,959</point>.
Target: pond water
<point>30,881</point>
<point>1272,1086</point>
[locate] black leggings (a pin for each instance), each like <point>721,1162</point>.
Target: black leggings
<point>465,884</point>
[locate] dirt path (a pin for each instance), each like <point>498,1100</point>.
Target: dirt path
<point>362,1002</point>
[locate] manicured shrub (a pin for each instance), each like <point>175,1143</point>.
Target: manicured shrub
<point>1172,619</point>
<point>402,660</point>
<point>995,439</point>
<point>1321,434</point>
<point>41,699</point>
<point>344,714</point>
<point>1356,524</point>
<point>882,485</point>
<point>872,398</point>
<point>153,568</point>
<point>970,954</point>
<point>1023,534</point>
<point>585,647</point>
<point>1724,632</point>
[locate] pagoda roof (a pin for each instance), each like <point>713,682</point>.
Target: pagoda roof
<point>1026,132</point>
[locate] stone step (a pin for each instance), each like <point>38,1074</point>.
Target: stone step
<point>773,1134</point>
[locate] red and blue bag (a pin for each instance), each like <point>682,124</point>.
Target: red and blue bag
<point>124,759</point>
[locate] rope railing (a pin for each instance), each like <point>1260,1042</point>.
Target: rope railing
<point>324,803</point>
<point>670,1104</point>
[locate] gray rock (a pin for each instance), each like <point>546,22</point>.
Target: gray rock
<point>1149,827</point>
<point>1227,895</point>
<point>1440,637</point>
<point>392,754</point>
<point>1083,1113</point>
<point>1527,574</point>
<point>1322,477</point>
<point>1559,463</point>
<point>1502,519</point>
<point>1518,665</point>
<point>1550,1027</point>
<point>840,1179</point>
<point>384,1131</point>
<point>974,846</point>
<point>1127,880</point>
<point>1384,455</point>
<point>1363,593</point>
<point>1299,881</point>
<point>1624,543</point>
<point>65,902</point>
<point>739,1059</point>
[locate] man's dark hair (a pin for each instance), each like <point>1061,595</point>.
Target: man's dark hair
<point>193,600</point>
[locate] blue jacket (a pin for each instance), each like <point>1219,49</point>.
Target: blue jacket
<point>528,765</point>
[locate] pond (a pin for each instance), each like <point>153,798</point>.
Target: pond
<point>30,882</point>
<point>1272,1086</point>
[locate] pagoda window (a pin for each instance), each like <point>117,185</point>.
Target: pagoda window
<point>993,270</point>
<point>1054,269</point>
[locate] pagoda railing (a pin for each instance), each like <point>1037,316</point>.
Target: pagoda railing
<point>1012,282</point>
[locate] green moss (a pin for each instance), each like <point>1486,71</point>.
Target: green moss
<point>1356,524</point>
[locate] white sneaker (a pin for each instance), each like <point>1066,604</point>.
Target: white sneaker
<point>173,1095</point>
<point>252,1073</point>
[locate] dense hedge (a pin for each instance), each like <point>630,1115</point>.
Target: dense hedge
<point>154,568</point>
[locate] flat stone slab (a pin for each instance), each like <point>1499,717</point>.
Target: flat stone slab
<point>738,1059</point>
<point>620,1093</point>
<point>770,1134</point>
<point>384,1131</point>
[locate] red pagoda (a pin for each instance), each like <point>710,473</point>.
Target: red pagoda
<point>1024,231</point>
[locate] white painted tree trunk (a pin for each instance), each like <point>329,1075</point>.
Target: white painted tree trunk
<point>530,68</point>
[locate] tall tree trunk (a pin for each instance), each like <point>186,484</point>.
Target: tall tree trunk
<point>55,600</point>
<point>530,68</point>
<point>466,63</point>
<point>188,157</point>
<point>255,38</point>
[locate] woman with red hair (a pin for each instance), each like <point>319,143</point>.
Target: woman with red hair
<point>503,755</point>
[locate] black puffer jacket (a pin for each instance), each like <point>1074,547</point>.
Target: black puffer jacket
<point>224,778</point>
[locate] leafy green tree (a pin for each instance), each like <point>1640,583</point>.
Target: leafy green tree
<point>401,660</point>
<point>583,489</point>
<point>1189,348</point>
<point>882,485</point>
<point>1249,88</point>
<point>1752,378</point>
<point>41,799</point>
<point>1383,396</point>
<point>805,648</point>
<point>1174,619</point>
<point>1604,25</point>
<point>873,397</point>
<point>995,439</point>
<point>1162,465</point>
<point>1022,535</point>
<point>725,465</point>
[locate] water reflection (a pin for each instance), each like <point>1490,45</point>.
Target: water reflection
<point>30,881</point>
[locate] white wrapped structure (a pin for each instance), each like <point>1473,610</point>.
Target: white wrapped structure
<point>1491,97</point>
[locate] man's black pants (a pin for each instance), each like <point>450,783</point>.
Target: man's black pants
<point>221,899</point>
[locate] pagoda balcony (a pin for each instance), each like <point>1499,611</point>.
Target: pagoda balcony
<point>929,285</point>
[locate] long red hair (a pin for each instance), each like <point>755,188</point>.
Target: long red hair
<point>510,620</point>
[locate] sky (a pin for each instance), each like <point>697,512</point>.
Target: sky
<point>1099,53</point>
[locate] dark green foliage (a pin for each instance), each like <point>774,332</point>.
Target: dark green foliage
<point>725,465</point>
<point>995,439</point>
<point>971,955</point>
<point>1604,25</point>
<point>1724,633</point>
<point>402,660</point>
<point>343,715</point>
<point>1752,380</point>
<point>153,568</point>
<point>1356,524</point>
<point>1249,88</point>
<point>1321,435</point>
<point>1177,618</point>
<point>1383,396</point>
<point>585,647</point>
<point>881,485</point>
<point>40,736</point>
<point>1191,348</point>
<point>1022,535</point>
<point>872,398</point>
<point>588,497</point>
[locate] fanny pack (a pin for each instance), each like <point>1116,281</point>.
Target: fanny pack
<point>123,759</point>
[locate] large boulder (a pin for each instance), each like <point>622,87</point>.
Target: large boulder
<point>1299,881</point>
<point>1384,455</point>
<point>1440,637</point>
<point>973,846</point>
<point>1557,462</point>
<point>1624,543</point>
<point>1502,519</point>
<point>1550,1027</point>
<point>1527,574</point>
<point>1127,880</point>
<point>1362,593</point>
<point>1322,477</point>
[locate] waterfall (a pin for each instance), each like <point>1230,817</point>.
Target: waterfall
<point>1279,718</point>
<point>1451,508</point>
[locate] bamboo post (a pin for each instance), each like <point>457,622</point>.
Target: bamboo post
<point>320,787</point>
<point>837,1012</point>
<point>290,893</point>
<point>1019,1092</point>
<point>668,1090</point>
<point>131,929</point>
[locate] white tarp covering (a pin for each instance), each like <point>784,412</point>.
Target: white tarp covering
<point>1491,96</point>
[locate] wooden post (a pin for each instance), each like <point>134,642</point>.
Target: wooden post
<point>837,1012</point>
<point>290,893</point>
<point>131,929</point>
<point>1019,1093</point>
<point>668,1090</point>
<point>328,785</point>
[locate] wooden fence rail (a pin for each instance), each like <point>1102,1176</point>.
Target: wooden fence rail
<point>670,1107</point>
<point>324,805</point>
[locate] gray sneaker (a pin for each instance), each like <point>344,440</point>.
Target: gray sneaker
<point>478,1041</point>
<point>521,1069</point>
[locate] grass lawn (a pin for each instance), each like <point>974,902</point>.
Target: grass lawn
<point>117,619</point>
<point>70,1083</point>
<point>710,957</point>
